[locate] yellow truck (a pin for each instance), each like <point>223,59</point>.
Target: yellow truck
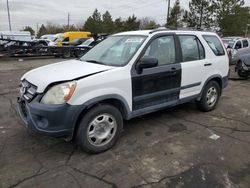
<point>71,36</point>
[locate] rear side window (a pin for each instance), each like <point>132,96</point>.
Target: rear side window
<point>191,48</point>
<point>215,44</point>
<point>245,43</point>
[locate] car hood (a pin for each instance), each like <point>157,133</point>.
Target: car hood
<point>63,71</point>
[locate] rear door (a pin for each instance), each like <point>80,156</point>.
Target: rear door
<point>157,86</point>
<point>193,65</point>
<point>217,57</point>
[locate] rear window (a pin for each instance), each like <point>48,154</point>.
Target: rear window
<point>215,44</point>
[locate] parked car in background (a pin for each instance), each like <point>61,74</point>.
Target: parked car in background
<point>50,37</point>
<point>16,35</point>
<point>237,47</point>
<point>243,66</point>
<point>127,75</point>
<point>229,41</point>
<point>66,38</point>
<point>77,42</point>
<point>88,44</point>
<point>44,42</point>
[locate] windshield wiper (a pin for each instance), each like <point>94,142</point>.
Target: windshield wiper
<point>94,61</point>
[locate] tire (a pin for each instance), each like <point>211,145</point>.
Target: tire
<point>66,53</point>
<point>99,129</point>
<point>210,97</point>
<point>243,74</point>
<point>79,53</point>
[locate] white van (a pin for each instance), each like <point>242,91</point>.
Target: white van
<point>127,75</point>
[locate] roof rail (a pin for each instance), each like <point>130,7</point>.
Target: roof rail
<point>169,28</point>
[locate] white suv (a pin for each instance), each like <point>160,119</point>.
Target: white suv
<point>127,75</point>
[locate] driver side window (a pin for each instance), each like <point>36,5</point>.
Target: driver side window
<point>163,49</point>
<point>238,45</point>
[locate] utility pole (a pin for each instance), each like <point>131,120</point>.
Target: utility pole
<point>68,20</point>
<point>168,10</point>
<point>246,33</point>
<point>37,27</point>
<point>8,9</point>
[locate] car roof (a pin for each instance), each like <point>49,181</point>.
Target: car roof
<point>163,30</point>
<point>233,38</point>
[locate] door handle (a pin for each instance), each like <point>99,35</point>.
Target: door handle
<point>207,64</point>
<point>173,71</point>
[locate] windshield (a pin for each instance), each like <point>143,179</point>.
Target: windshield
<point>115,50</point>
<point>87,42</point>
<point>59,38</point>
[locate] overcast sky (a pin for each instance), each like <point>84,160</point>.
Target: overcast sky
<point>33,12</point>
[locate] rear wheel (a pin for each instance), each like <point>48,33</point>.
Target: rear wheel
<point>210,97</point>
<point>99,129</point>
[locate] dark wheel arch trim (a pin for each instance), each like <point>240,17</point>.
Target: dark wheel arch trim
<point>222,81</point>
<point>104,98</point>
<point>126,113</point>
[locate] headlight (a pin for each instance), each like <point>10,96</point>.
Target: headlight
<point>59,94</point>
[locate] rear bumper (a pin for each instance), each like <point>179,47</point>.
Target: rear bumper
<point>51,120</point>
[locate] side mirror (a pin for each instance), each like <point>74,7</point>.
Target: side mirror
<point>146,62</point>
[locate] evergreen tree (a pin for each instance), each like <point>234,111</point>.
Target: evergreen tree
<point>42,31</point>
<point>131,24</point>
<point>28,28</point>
<point>200,14</point>
<point>118,25</point>
<point>107,23</point>
<point>94,23</point>
<point>175,15</point>
<point>232,17</point>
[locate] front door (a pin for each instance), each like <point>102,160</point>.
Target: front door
<point>157,86</point>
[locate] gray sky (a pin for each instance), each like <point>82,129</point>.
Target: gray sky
<point>33,12</point>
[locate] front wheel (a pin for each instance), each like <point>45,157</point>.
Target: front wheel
<point>243,74</point>
<point>79,53</point>
<point>100,128</point>
<point>210,97</point>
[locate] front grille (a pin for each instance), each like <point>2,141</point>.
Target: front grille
<point>27,90</point>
